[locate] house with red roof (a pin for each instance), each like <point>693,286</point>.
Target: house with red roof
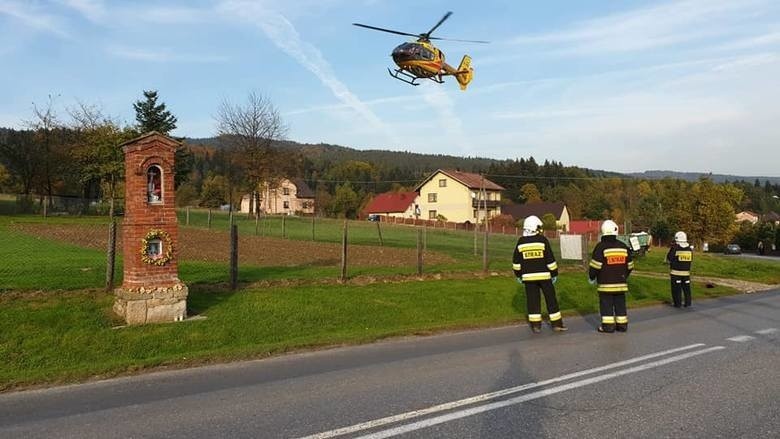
<point>395,204</point>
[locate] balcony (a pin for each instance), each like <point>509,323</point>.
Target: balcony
<point>480,204</point>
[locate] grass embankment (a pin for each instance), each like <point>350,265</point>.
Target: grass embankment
<point>717,265</point>
<point>68,336</point>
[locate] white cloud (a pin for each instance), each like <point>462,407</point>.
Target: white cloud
<point>33,17</point>
<point>92,10</point>
<point>162,55</point>
<point>652,27</point>
<point>282,33</point>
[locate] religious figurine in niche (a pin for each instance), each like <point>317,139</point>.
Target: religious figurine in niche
<point>154,249</point>
<point>154,184</point>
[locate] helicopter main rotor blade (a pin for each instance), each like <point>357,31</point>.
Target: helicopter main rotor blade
<point>462,41</point>
<point>385,30</point>
<point>446,16</point>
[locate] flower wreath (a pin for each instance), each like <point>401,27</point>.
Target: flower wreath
<point>162,259</point>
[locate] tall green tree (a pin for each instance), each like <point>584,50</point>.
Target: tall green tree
<point>96,149</point>
<point>152,116</point>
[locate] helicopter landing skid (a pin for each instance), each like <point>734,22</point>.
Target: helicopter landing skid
<point>408,78</point>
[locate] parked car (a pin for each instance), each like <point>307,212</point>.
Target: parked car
<point>732,249</point>
<point>374,217</point>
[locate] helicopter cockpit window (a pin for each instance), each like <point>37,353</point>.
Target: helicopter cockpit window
<point>426,54</point>
<point>407,52</point>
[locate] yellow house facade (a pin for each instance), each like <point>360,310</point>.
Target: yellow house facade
<point>458,196</point>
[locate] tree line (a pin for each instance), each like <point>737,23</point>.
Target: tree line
<point>80,156</point>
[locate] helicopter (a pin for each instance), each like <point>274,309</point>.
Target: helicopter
<point>422,60</point>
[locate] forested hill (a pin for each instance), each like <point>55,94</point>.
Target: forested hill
<point>322,155</point>
<point>694,176</point>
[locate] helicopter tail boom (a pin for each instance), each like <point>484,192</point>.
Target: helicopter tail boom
<point>465,73</point>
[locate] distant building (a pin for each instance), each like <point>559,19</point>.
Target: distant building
<point>287,196</point>
<point>522,211</point>
<point>748,216</point>
<point>772,217</point>
<point>394,204</point>
<point>455,196</point>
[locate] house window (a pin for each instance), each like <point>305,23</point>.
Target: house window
<point>475,213</point>
<point>443,182</point>
<point>432,214</point>
<point>285,191</point>
<point>432,198</point>
<point>286,204</point>
<point>154,184</point>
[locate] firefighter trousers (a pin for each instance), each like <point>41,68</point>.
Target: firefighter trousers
<point>681,286</point>
<point>533,294</point>
<point>613,312</point>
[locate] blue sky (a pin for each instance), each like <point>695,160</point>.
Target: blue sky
<point>687,85</point>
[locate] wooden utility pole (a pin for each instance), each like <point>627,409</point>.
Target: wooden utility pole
<point>485,237</point>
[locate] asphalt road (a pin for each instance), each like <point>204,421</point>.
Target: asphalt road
<point>709,372</point>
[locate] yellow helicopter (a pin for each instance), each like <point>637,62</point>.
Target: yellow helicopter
<point>421,59</point>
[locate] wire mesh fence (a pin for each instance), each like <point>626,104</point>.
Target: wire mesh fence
<point>66,247</point>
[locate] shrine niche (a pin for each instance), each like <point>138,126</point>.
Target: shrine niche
<point>151,291</point>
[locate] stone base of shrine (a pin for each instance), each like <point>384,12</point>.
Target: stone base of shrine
<point>150,304</point>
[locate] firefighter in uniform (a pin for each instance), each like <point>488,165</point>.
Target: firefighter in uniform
<point>679,259</point>
<point>610,266</point>
<point>534,266</point>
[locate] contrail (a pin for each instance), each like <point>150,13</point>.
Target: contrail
<point>286,37</point>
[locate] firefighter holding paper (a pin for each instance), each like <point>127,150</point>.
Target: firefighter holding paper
<point>610,266</point>
<point>534,266</point>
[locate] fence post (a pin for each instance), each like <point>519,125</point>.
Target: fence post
<point>312,227</point>
<point>379,232</point>
<point>45,208</point>
<point>476,226</point>
<point>343,277</point>
<point>208,221</point>
<point>419,252</point>
<point>425,237</point>
<point>257,222</point>
<point>188,216</point>
<point>233,256</point>
<point>485,248</point>
<point>111,256</point>
<point>284,225</point>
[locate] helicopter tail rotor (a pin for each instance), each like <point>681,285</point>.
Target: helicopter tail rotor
<point>465,73</point>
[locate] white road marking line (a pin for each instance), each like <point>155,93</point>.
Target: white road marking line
<point>741,338</point>
<point>527,397</point>
<point>767,331</point>
<point>487,396</point>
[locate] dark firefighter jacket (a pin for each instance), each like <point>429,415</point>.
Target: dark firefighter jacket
<point>679,259</point>
<point>610,265</point>
<point>533,259</point>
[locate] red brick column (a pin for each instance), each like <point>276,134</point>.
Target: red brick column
<point>150,292</point>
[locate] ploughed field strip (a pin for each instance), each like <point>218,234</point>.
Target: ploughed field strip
<point>214,246</point>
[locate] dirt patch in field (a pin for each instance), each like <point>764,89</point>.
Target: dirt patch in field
<point>214,246</point>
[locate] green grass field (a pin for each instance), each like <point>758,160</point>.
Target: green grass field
<point>68,336</point>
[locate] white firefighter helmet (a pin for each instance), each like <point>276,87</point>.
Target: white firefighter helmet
<point>680,237</point>
<point>609,228</point>
<point>532,225</point>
